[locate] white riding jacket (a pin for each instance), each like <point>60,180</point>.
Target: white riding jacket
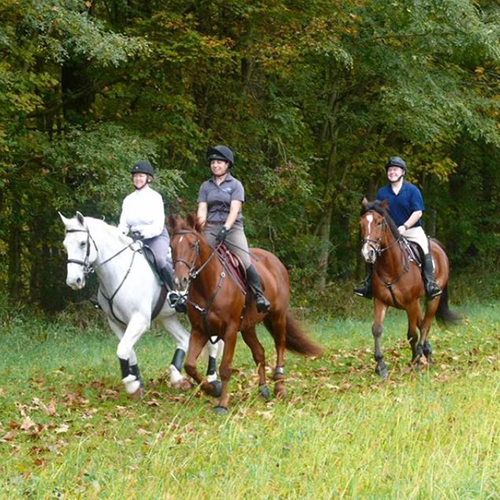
<point>143,211</point>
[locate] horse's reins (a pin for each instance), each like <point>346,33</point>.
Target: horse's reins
<point>89,268</point>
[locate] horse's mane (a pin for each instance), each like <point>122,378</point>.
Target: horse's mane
<point>377,206</point>
<point>113,231</point>
<point>177,223</point>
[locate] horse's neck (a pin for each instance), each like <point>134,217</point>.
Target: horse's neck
<point>391,259</point>
<point>210,275</point>
<point>109,247</point>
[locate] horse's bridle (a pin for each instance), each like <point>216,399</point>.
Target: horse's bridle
<point>87,267</point>
<point>375,244</point>
<point>192,270</point>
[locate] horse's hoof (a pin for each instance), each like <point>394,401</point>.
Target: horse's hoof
<point>217,389</point>
<point>279,391</point>
<point>382,371</point>
<point>220,410</point>
<point>138,395</point>
<point>264,392</point>
<point>185,385</point>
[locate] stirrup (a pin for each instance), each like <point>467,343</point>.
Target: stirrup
<point>363,290</point>
<point>433,291</point>
<point>262,304</point>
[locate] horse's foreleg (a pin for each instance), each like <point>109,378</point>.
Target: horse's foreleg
<point>379,310</point>
<point>214,351</point>
<point>225,368</point>
<point>181,336</point>
<point>258,353</point>
<point>196,343</point>
<point>129,366</point>
<point>127,357</point>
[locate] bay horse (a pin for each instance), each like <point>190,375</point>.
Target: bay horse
<point>129,293</point>
<point>397,282</point>
<point>217,307</point>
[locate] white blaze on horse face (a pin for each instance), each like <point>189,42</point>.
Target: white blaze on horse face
<point>367,250</point>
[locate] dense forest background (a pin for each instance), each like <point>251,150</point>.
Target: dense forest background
<point>312,95</point>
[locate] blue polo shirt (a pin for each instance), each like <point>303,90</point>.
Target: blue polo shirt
<point>402,205</point>
<point>219,198</point>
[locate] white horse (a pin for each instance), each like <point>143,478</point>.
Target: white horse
<point>129,292</point>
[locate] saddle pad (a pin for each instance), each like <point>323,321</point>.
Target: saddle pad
<point>233,265</point>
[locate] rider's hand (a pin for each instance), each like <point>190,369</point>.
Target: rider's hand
<point>221,236</point>
<point>402,229</point>
<point>136,235</point>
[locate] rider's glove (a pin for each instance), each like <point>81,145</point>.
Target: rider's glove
<point>221,236</point>
<point>136,235</point>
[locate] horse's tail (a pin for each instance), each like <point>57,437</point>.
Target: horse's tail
<point>443,313</point>
<point>296,339</point>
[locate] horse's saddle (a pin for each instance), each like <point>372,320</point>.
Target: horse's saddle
<point>150,257</point>
<point>415,252</point>
<point>233,265</point>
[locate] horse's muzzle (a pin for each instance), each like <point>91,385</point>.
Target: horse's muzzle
<point>368,253</point>
<point>76,283</point>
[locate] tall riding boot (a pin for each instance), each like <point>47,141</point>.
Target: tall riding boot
<point>254,281</point>
<point>432,288</point>
<point>364,289</point>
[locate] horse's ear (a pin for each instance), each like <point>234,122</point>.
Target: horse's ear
<point>364,202</point>
<point>80,218</point>
<point>385,205</point>
<point>172,222</point>
<point>64,219</point>
<point>191,220</point>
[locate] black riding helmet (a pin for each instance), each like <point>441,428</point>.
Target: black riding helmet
<point>220,153</point>
<point>143,167</point>
<point>396,161</point>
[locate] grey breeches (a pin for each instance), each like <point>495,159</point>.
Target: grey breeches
<point>236,241</point>
<point>160,245</point>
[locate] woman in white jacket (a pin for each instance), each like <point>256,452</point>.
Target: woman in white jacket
<point>143,216</point>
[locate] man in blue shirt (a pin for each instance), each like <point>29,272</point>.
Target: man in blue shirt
<point>406,207</point>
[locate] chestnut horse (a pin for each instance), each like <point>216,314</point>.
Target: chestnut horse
<point>217,307</point>
<point>397,282</point>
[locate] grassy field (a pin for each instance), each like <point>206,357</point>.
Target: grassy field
<point>68,430</point>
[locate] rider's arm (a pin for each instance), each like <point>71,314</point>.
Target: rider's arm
<point>234,210</point>
<point>157,211</point>
<point>202,212</point>
<point>123,225</point>
<point>413,219</point>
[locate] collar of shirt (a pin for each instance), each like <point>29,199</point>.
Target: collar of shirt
<point>228,178</point>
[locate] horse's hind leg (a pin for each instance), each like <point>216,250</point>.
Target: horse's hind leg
<point>258,353</point>
<point>414,318</point>
<point>181,337</point>
<point>379,310</point>
<point>277,326</point>
<point>430,312</point>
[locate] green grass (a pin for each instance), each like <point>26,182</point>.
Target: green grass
<point>68,430</point>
